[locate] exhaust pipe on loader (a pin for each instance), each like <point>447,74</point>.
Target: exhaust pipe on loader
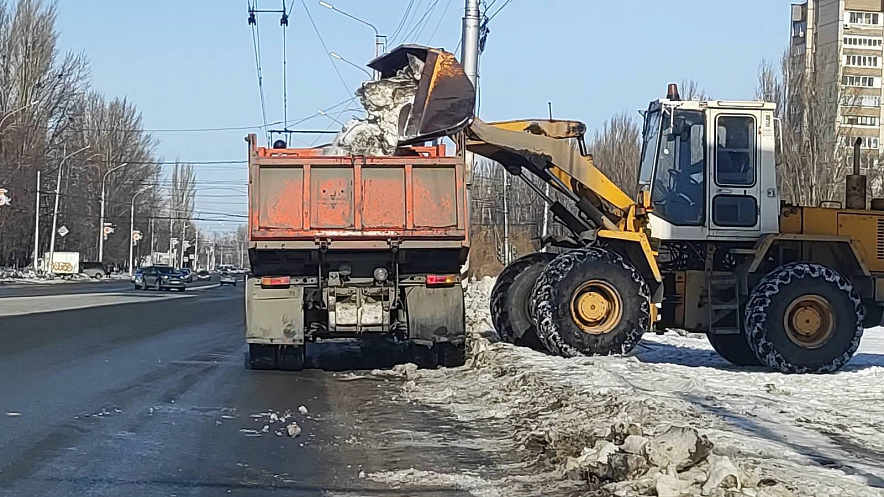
<point>445,100</point>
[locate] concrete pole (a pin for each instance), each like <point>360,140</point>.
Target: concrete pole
<point>181,241</point>
<point>171,233</point>
<point>152,240</point>
<point>103,203</point>
<point>37,225</point>
<point>196,251</point>
<point>470,54</point>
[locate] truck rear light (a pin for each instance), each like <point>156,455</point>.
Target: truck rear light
<point>276,281</point>
<point>441,279</point>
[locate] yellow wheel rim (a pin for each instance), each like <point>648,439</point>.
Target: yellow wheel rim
<point>596,307</point>
<point>809,321</point>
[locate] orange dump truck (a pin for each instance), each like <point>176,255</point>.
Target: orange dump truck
<point>355,247</point>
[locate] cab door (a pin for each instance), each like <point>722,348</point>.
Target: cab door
<point>734,206</point>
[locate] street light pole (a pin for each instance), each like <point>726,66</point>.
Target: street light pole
<point>101,224</point>
<point>380,41</point>
<point>37,225</point>
<point>16,111</point>
<point>357,66</point>
<point>132,232</point>
<point>55,210</point>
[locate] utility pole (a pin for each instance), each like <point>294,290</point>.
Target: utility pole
<point>132,233</point>
<point>55,209</point>
<point>196,251</point>
<point>171,235</point>
<point>469,59</point>
<point>103,202</point>
<point>181,241</point>
<point>37,225</point>
<point>152,240</point>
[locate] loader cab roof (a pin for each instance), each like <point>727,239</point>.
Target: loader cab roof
<point>701,105</point>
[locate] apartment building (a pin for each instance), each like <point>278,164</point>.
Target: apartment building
<point>840,45</point>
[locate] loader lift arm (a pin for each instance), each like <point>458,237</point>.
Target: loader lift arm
<point>546,149</point>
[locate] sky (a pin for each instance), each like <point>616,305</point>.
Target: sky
<point>191,64</point>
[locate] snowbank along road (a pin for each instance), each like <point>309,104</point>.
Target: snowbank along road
<point>674,419</point>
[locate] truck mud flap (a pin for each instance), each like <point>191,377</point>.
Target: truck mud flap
<point>274,315</point>
<point>436,315</point>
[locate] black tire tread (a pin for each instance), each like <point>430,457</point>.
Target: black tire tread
<point>500,315</point>
<point>766,292</point>
<point>546,295</point>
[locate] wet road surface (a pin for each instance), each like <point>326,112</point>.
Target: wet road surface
<point>144,393</point>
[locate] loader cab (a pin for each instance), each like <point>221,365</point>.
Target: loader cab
<point>710,169</point>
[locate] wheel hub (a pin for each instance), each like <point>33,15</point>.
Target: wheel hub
<point>809,321</point>
<point>596,307</point>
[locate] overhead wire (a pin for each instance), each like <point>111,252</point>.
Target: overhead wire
<point>492,16</point>
<point>438,24</point>
<point>256,44</point>
<point>402,20</point>
<point>406,20</point>
<point>325,47</point>
<point>423,18</point>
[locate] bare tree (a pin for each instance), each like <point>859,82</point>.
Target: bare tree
<point>815,156</point>
<point>616,149</point>
<point>690,90</point>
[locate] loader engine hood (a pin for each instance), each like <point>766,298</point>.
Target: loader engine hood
<point>445,100</point>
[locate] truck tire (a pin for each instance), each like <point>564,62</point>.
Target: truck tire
<point>291,357</point>
<point>734,349</point>
<point>451,355</point>
<point>804,318</point>
<point>590,302</point>
<point>262,357</point>
<point>511,300</point>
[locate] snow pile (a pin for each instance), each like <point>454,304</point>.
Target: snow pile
<point>674,421</point>
<point>384,100</point>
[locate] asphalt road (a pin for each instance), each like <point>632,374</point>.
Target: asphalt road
<point>105,390</point>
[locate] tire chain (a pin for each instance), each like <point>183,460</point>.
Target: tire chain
<point>499,312</point>
<point>756,315</point>
<point>545,293</point>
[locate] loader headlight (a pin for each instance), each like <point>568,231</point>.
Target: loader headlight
<point>381,274</point>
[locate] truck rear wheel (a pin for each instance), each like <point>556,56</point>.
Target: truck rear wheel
<point>262,357</point>
<point>511,300</point>
<point>590,302</point>
<point>734,349</point>
<point>804,318</point>
<point>291,357</point>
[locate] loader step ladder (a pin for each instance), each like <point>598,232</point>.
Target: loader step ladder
<point>724,304</point>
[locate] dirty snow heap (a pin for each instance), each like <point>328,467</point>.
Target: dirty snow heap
<point>384,101</point>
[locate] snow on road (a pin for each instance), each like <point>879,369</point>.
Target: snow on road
<point>599,425</point>
<point>18,306</point>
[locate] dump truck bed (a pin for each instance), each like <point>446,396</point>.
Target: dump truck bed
<point>300,198</point>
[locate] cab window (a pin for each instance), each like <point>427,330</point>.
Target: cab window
<point>679,191</point>
<point>735,151</point>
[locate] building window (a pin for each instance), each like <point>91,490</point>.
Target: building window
<point>861,120</point>
<point>862,81</point>
<point>863,41</point>
<point>869,143</point>
<point>865,18</point>
<point>862,61</point>
<point>861,100</point>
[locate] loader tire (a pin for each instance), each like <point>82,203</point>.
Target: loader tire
<point>804,318</point>
<point>262,357</point>
<point>734,349</point>
<point>511,300</point>
<point>590,302</point>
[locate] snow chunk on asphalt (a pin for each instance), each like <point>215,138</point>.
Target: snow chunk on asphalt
<point>674,416</point>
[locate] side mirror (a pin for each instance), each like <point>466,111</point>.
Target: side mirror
<point>679,129</point>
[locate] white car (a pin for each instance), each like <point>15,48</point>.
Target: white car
<point>228,278</point>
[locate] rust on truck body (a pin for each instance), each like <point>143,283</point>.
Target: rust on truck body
<point>301,195</point>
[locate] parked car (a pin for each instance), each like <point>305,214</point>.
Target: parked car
<point>203,275</point>
<point>228,278</point>
<point>95,270</point>
<point>187,273</point>
<point>159,278</point>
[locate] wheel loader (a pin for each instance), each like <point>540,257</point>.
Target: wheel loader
<point>708,246</point>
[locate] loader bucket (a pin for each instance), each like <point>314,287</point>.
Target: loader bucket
<point>445,101</point>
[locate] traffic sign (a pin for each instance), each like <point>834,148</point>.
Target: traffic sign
<point>63,231</point>
<point>137,236</point>
<point>4,199</point>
